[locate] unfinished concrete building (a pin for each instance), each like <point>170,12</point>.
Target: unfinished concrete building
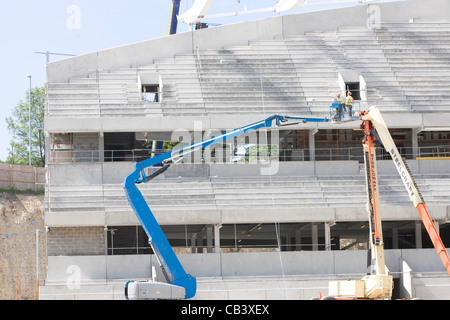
<point>247,227</point>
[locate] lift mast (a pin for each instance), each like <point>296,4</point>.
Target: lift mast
<point>377,284</point>
<point>378,130</point>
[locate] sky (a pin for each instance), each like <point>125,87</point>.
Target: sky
<point>83,26</point>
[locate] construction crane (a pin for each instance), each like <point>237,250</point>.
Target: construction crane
<point>378,284</point>
<point>200,8</point>
<point>173,21</point>
<point>179,285</point>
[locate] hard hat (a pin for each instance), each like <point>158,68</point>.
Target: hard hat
<point>338,94</point>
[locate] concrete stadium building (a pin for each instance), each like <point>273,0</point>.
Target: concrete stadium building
<point>252,227</point>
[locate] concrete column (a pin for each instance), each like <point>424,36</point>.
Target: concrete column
<point>105,230</point>
<point>200,237</point>
<point>394,238</point>
<point>288,246</point>
<point>209,239</point>
<point>418,235</point>
<point>315,237</point>
<point>101,147</point>
<point>327,226</point>
<point>415,142</point>
<point>298,240</point>
<point>48,144</point>
<point>194,243</point>
<point>217,238</point>
<point>312,144</point>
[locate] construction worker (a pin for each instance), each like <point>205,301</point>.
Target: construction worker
<point>340,106</point>
<point>339,99</point>
<point>349,103</point>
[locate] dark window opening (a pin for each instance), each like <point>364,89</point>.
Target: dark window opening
<point>271,237</point>
<point>118,146</point>
<point>130,146</point>
<point>444,231</point>
<point>127,240</point>
<point>354,88</point>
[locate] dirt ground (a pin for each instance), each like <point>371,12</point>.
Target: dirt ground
<point>21,215</point>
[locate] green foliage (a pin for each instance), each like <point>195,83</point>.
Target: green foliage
<point>261,152</point>
<point>169,145</point>
<point>18,126</point>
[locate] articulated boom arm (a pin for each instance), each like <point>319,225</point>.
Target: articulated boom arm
<point>375,129</point>
<point>168,158</point>
<point>170,265</point>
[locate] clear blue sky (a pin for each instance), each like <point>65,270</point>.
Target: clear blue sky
<point>27,26</point>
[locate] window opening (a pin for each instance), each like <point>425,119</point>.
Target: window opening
<point>119,146</point>
<point>150,93</point>
<point>434,143</point>
<point>62,147</point>
<point>354,88</point>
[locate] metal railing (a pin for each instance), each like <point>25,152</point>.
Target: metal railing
<point>283,155</point>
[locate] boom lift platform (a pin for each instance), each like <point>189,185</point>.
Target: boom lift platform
<point>338,114</point>
<point>378,284</point>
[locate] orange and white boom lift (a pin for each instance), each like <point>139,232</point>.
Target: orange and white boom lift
<point>378,284</point>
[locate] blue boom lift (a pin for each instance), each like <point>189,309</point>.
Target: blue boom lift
<point>180,285</point>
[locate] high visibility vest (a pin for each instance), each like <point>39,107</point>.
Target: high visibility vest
<point>349,100</point>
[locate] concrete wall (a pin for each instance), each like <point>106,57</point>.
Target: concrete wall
<point>75,241</point>
<point>115,172</point>
<point>433,288</point>
<point>22,177</point>
<point>270,275</point>
<point>146,52</point>
<point>350,262</point>
<point>86,145</point>
<point>215,122</point>
<point>88,174</point>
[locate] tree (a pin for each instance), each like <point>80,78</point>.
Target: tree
<point>18,126</point>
